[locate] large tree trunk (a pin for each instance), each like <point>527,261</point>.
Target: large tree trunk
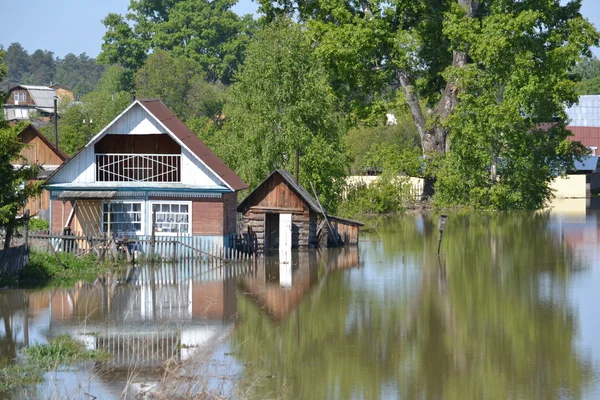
<point>434,137</point>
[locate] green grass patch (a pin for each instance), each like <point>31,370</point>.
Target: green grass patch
<point>48,269</point>
<point>36,360</point>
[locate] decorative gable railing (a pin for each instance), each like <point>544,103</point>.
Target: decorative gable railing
<point>138,167</point>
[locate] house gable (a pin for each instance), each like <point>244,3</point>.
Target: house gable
<point>138,120</point>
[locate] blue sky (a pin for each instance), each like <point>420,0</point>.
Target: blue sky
<point>73,26</point>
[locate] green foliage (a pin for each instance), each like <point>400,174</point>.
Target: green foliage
<point>14,191</point>
<point>588,70</point>
<point>508,90</point>
<point>387,194</point>
<point>41,358</point>
<point>79,73</point>
<point>359,141</point>
<point>48,269</point>
<point>208,32</point>
<point>282,102</point>
<point>38,224</point>
<point>179,82</point>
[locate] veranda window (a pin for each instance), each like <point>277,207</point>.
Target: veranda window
<point>173,217</point>
<point>125,217</point>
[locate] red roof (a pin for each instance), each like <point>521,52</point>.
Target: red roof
<point>196,146</point>
<point>588,136</point>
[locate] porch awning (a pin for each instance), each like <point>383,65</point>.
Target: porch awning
<point>85,194</point>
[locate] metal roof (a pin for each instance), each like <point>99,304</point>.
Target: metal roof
<point>586,112</point>
<point>73,194</point>
<point>587,164</point>
<point>291,182</point>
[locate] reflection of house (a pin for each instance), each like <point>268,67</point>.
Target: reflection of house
<point>40,151</point>
<point>145,162</point>
<point>279,291</point>
<point>162,312</point>
<point>279,194</point>
<point>25,102</point>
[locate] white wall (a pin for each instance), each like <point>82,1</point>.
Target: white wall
<point>570,186</point>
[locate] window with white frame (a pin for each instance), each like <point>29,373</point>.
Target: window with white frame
<point>123,217</point>
<point>20,96</point>
<point>173,217</point>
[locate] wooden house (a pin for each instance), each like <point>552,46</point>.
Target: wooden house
<point>40,151</point>
<point>280,194</point>
<point>144,165</point>
<point>25,102</point>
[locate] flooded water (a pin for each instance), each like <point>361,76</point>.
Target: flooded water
<point>508,310</point>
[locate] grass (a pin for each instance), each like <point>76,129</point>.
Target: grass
<point>47,269</point>
<point>38,359</point>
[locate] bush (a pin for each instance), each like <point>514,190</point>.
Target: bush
<point>38,224</point>
<point>384,196</point>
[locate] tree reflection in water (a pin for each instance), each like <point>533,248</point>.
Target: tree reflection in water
<point>489,319</point>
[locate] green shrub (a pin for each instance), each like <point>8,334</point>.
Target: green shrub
<point>384,196</point>
<point>38,224</point>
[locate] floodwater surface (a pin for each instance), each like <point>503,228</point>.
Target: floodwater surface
<point>509,310</point>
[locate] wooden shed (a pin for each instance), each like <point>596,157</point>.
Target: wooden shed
<point>281,194</point>
<point>39,150</point>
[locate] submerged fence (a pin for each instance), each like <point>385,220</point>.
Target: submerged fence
<point>229,248</point>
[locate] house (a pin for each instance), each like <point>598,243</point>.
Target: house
<point>145,168</point>
<point>63,92</point>
<point>40,151</point>
<point>280,194</point>
<point>25,102</point>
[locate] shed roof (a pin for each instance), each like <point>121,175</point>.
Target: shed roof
<point>291,182</point>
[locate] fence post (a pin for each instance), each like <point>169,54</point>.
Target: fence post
<point>153,236</point>
<point>26,231</point>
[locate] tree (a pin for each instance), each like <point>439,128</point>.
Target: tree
<point>42,68</point>
<point>588,70</point>
<point>14,188</point>
<point>80,73</point>
<point>280,103</point>
<point>436,52</point>
<point>16,60</point>
<point>206,31</point>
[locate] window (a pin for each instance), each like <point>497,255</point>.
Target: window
<point>125,217</point>
<point>173,217</point>
<point>20,97</point>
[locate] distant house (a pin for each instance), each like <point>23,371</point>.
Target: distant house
<point>63,92</point>
<point>24,102</point>
<point>145,163</point>
<point>40,151</point>
<point>280,194</point>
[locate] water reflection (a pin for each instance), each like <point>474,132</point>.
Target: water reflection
<point>490,319</point>
<point>496,316</point>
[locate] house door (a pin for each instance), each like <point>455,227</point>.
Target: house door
<point>271,231</point>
